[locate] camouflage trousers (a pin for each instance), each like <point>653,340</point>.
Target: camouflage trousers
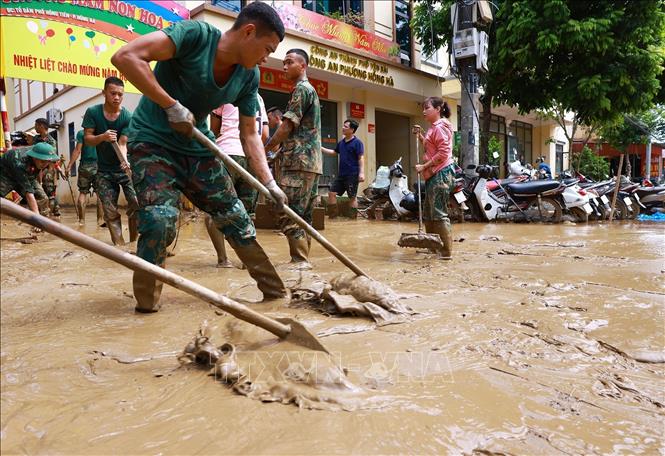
<point>437,189</point>
<point>246,193</point>
<point>160,176</point>
<point>50,184</point>
<point>87,173</point>
<point>108,186</point>
<point>7,185</point>
<point>301,187</point>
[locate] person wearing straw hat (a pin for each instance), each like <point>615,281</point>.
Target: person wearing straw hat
<point>19,169</point>
<point>438,171</point>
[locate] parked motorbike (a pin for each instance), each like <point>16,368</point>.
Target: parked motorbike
<point>526,201</point>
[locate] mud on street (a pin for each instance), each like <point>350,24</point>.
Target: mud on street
<point>535,339</point>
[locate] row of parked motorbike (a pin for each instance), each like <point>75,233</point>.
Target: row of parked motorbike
<point>478,196</point>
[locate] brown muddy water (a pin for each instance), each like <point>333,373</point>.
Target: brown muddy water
<point>531,341</point>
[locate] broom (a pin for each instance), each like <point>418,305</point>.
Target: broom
<point>420,240</point>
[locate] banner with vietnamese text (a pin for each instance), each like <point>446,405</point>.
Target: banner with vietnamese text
<point>71,41</point>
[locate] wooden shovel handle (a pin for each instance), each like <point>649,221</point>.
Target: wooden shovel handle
<point>138,264</point>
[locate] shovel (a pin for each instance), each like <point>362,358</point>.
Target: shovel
<point>231,164</point>
<point>420,240</point>
<point>284,328</point>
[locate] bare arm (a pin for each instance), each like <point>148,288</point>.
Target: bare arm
<point>361,164</point>
<point>91,139</point>
<point>327,151</point>
<point>215,124</point>
<point>264,133</point>
<point>254,151</point>
<point>280,135</point>
<point>75,156</point>
<point>32,202</point>
<point>133,60</point>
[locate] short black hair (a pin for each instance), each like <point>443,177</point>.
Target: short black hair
<point>112,80</point>
<point>301,53</point>
<point>352,123</point>
<point>263,16</point>
<point>41,121</point>
<point>274,109</point>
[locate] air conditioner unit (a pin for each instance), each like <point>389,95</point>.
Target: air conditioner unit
<point>54,117</point>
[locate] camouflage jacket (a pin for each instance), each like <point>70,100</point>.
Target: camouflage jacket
<point>19,170</point>
<point>302,149</point>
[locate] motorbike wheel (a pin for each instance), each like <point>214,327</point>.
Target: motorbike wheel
<point>635,209</point>
<point>580,215</point>
<point>455,212</point>
<point>551,213</point>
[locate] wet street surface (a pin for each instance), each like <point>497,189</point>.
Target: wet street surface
<point>534,339</point>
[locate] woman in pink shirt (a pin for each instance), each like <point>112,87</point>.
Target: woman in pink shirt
<point>438,171</point>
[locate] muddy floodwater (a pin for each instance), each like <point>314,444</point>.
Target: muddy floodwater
<point>535,339</point>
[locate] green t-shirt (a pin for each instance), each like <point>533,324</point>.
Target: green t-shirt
<point>107,160</point>
<point>88,153</point>
<point>188,77</point>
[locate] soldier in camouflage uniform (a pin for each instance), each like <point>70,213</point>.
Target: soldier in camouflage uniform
<point>438,171</point>
<point>87,174</point>
<point>192,77</point>
<point>49,181</point>
<point>19,169</point>
<point>105,124</point>
<point>301,163</point>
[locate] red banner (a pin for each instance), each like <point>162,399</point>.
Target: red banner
<point>357,110</point>
<point>275,79</point>
<point>329,29</point>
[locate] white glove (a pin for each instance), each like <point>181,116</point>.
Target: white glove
<point>279,197</point>
<point>181,119</point>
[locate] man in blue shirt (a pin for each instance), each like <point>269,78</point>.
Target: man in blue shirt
<point>351,168</point>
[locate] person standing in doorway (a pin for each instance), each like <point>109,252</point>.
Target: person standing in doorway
<point>301,161</point>
<point>351,168</point>
<point>106,127</point>
<point>438,171</point>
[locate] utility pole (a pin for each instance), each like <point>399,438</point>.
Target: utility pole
<point>469,128</point>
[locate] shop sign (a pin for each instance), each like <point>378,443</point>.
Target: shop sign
<point>71,41</point>
<point>371,128</point>
<point>276,80</point>
<point>311,23</point>
<point>357,110</point>
<point>350,66</point>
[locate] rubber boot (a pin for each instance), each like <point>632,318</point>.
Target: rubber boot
<point>133,223</point>
<point>332,211</point>
<point>115,228</point>
<point>147,291</point>
<point>217,239</point>
<point>299,249</point>
<point>442,228</point>
<point>261,269</point>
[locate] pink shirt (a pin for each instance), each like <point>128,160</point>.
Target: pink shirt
<point>438,147</point>
<point>229,133</point>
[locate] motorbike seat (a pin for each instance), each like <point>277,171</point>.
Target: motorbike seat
<point>532,187</point>
<point>645,191</point>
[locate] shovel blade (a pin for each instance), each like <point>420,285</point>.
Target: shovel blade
<point>300,335</point>
<point>420,241</point>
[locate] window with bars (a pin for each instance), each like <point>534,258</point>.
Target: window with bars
<point>231,5</point>
<point>523,133</point>
<point>403,30</point>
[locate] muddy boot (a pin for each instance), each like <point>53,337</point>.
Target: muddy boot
<point>332,211</point>
<point>299,250</point>
<point>133,223</point>
<point>443,229</point>
<point>147,291</point>
<point>115,228</point>
<point>261,269</point>
<point>217,239</point>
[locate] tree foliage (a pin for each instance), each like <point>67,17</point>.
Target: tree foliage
<point>596,58</point>
<point>593,166</point>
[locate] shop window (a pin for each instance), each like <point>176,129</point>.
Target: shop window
<point>349,11</point>
<point>523,133</point>
<point>231,5</point>
<point>403,30</point>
